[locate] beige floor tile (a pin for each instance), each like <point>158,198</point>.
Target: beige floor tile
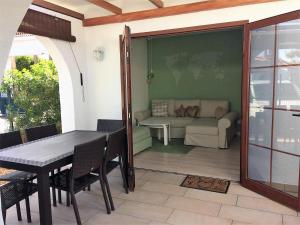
<point>158,223</point>
<point>139,173</point>
<point>179,217</point>
<point>145,211</point>
<point>145,197</point>
<point>250,215</point>
<point>161,177</point>
<point>193,205</point>
<point>199,161</point>
<point>164,188</point>
<point>240,223</point>
<point>237,189</point>
<point>291,220</point>
<point>265,205</point>
<point>139,183</point>
<point>116,219</point>
<point>228,199</point>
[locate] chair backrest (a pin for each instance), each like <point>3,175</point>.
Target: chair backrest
<point>108,126</point>
<point>88,157</point>
<point>116,144</point>
<point>36,133</point>
<point>10,139</point>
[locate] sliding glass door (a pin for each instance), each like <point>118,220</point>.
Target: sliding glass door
<point>271,153</point>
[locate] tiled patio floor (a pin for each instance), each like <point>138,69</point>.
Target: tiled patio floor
<point>199,161</point>
<point>159,200</point>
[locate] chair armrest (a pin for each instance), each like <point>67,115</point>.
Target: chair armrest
<point>142,115</point>
<point>227,120</point>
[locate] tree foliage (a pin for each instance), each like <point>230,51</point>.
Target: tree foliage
<point>24,62</point>
<point>35,93</point>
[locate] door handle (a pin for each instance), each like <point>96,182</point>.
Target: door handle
<point>298,115</point>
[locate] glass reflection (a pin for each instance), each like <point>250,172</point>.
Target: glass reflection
<point>288,44</point>
<point>260,127</point>
<point>261,86</point>
<point>285,173</point>
<point>287,91</point>
<point>262,46</point>
<point>259,164</point>
<point>286,135</point>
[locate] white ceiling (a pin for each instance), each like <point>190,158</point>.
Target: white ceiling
<point>91,10</point>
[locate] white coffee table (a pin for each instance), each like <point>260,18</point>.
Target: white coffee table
<point>165,126</point>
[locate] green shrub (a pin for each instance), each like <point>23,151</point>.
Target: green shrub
<point>35,93</point>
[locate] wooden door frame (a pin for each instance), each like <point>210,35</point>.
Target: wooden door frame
<point>179,31</point>
<point>256,186</point>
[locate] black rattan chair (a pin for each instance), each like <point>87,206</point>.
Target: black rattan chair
<point>87,157</point>
<point>108,126</point>
<point>8,140</point>
<point>35,133</point>
<point>13,193</point>
<point>116,148</point>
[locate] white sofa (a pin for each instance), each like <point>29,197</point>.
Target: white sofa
<point>203,130</point>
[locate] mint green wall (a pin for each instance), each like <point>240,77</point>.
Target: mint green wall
<point>204,65</point>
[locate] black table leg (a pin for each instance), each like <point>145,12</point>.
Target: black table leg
<point>44,198</point>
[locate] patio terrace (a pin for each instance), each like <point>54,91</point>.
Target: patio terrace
<point>159,200</point>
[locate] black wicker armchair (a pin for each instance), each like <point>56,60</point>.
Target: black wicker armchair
<point>108,126</point>
<point>87,157</point>
<point>8,140</point>
<point>13,193</point>
<point>36,133</point>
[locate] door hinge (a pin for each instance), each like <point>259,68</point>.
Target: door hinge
<point>127,56</point>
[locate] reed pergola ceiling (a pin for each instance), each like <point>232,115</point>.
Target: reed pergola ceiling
<point>97,12</point>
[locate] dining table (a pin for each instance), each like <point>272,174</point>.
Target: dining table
<point>43,156</point>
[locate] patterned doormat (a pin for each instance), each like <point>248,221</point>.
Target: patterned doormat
<point>206,183</point>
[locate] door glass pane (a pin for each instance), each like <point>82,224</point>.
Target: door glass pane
<point>288,44</point>
<point>286,135</point>
<point>285,172</point>
<point>261,86</point>
<point>262,46</point>
<point>259,164</point>
<point>287,91</point>
<point>260,126</point>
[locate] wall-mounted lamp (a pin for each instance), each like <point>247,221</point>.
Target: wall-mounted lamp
<point>99,53</point>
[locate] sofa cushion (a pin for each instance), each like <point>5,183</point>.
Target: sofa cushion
<point>220,112</point>
<point>180,112</point>
<point>175,122</point>
<point>205,126</point>
<point>170,103</point>
<point>208,107</point>
<point>140,133</point>
<point>186,103</point>
<point>159,109</point>
<point>192,111</point>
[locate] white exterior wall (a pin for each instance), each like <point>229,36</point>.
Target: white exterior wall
<point>105,76</point>
<point>12,13</point>
<point>74,110</point>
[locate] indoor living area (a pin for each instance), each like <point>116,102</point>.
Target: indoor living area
<point>186,102</point>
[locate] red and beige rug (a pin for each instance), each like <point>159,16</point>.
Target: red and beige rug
<point>206,183</point>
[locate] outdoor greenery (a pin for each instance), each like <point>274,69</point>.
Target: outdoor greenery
<point>34,89</point>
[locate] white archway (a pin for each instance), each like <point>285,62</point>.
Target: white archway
<point>60,53</point>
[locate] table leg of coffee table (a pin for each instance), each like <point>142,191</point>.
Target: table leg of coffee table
<point>166,138</point>
<point>169,134</point>
<point>159,134</point>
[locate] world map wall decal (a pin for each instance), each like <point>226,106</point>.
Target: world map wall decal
<point>180,63</point>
